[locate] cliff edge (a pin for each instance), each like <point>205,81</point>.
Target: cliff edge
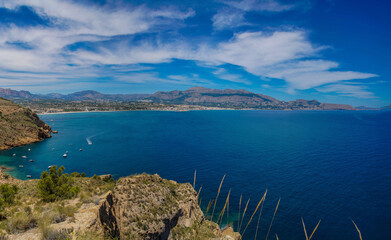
<point>20,126</point>
<point>137,207</point>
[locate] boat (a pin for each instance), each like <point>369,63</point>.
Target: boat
<point>28,176</point>
<point>31,160</point>
<point>66,152</point>
<point>49,167</point>
<point>14,154</point>
<point>65,155</point>
<point>24,156</point>
<point>81,149</point>
<point>55,132</point>
<point>20,166</point>
<point>29,149</point>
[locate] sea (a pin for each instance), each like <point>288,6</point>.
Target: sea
<point>333,166</point>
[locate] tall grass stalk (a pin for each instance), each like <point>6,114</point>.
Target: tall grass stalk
<point>195,175</point>
<point>277,237</point>
<point>358,230</point>
<point>220,218</point>
<point>240,204</point>
<point>271,223</point>
<point>256,209</point>
<point>209,206</point>
<point>312,234</point>
<point>244,213</point>
<point>305,230</point>
<point>259,219</point>
<point>218,193</point>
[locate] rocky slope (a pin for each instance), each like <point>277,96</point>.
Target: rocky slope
<point>229,98</point>
<point>136,207</point>
<point>20,126</point>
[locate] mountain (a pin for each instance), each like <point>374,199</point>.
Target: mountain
<point>88,95</point>
<point>229,98</point>
<point>13,94</point>
<point>20,126</point>
<point>214,98</point>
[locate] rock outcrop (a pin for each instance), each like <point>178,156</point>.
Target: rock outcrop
<point>149,207</point>
<point>20,126</point>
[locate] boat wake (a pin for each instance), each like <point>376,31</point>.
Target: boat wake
<point>88,139</point>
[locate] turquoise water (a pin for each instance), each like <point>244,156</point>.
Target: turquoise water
<point>333,166</point>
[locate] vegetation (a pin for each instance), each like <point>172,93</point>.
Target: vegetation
<point>55,185</point>
<point>7,195</point>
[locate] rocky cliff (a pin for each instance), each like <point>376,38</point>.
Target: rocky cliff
<point>149,207</point>
<point>138,207</point>
<point>20,126</point>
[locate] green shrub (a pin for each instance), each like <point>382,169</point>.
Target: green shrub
<point>83,175</point>
<point>75,174</point>
<point>95,177</point>
<point>108,179</point>
<point>55,185</point>
<point>7,195</point>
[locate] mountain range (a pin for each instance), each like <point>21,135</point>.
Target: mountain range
<point>227,98</point>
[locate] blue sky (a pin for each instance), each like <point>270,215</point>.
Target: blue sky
<point>331,50</point>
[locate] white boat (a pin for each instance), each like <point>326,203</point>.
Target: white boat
<point>49,167</point>
<point>29,149</point>
<point>65,155</point>
<point>81,149</point>
<point>28,176</point>
<point>66,152</point>
<point>20,166</point>
<point>24,156</point>
<point>14,154</point>
<point>31,160</point>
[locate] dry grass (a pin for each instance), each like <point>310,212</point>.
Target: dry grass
<point>305,231</point>
<point>271,223</point>
<point>255,211</point>
<point>218,193</point>
<point>358,230</point>
<point>244,213</point>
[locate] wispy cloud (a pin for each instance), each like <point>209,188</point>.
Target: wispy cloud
<point>233,14</point>
<point>55,52</point>
<point>358,91</point>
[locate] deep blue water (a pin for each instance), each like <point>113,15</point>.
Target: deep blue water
<point>334,166</point>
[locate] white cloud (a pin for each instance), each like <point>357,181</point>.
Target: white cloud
<point>258,5</point>
<point>225,75</point>
<point>73,22</point>
<point>228,18</point>
<point>233,15</point>
<point>288,55</point>
<point>347,90</point>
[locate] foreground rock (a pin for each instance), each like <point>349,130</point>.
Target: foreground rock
<point>135,207</point>
<point>149,207</point>
<point>20,126</point>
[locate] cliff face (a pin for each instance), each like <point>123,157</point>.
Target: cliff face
<point>149,207</point>
<point>138,207</point>
<point>20,126</point>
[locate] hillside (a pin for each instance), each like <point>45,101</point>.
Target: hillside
<point>88,95</point>
<point>20,126</point>
<point>229,98</point>
<point>195,96</point>
<point>136,207</point>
